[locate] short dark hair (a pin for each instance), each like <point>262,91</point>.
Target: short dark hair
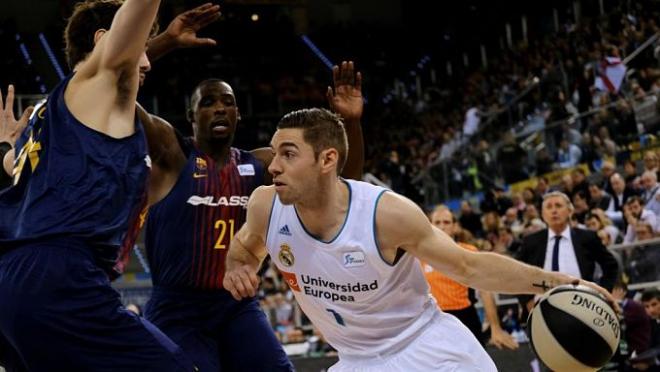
<point>596,183</point>
<point>650,294</point>
<point>322,129</point>
<point>88,17</point>
<point>194,96</point>
<point>635,198</point>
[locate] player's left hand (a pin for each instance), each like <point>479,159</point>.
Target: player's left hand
<point>10,128</point>
<point>183,29</point>
<point>241,281</point>
<point>346,98</point>
<point>501,339</point>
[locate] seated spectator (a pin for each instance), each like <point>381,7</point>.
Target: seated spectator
<point>650,360</point>
<point>650,161</point>
<point>651,191</point>
<point>630,173</point>
<point>637,322</point>
<point>529,197</point>
<point>598,197</point>
<point>491,224</point>
<point>634,212</point>
<point>532,221</point>
<point>580,182</point>
<point>510,217</point>
<point>642,263</point>
<point>470,220</point>
<point>568,155</point>
<point>581,208</point>
<point>597,220</point>
<point>607,169</point>
<point>620,195</point>
<point>506,244</point>
<point>542,188</point>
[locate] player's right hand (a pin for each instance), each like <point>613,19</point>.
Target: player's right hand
<point>241,281</point>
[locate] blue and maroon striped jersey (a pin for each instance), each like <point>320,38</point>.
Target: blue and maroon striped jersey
<point>73,182</point>
<point>188,232</point>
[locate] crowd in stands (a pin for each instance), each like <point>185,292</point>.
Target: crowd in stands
<point>539,118</point>
<point>428,149</point>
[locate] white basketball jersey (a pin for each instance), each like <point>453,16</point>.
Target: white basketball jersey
<point>360,303</point>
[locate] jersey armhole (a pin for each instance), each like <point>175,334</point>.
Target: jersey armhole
<point>399,252</point>
<point>270,217</point>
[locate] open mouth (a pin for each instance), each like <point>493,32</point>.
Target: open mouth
<point>220,128</point>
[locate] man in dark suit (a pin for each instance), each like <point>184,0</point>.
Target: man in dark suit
<point>620,195</point>
<point>565,249</point>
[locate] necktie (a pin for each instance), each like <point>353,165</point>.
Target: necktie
<point>555,254</point>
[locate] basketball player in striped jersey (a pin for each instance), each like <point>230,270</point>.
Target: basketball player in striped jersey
<point>79,180</point>
<point>348,250</point>
<point>198,196</point>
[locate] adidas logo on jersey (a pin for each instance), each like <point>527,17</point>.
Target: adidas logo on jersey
<point>285,230</point>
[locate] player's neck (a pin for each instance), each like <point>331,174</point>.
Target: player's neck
<point>325,213</point>
<point>220,154</point>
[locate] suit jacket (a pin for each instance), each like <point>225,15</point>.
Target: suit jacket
<point>589,250</point>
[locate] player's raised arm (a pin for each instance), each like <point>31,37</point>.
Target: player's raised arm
<point>347,101</point>
<point>126,40</point>
<point>400,223</point>
<point>248,248</point>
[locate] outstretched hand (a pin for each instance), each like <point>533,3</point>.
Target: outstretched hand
<point>10,128</point>
<point>346,98</point>
<point>183,29</point>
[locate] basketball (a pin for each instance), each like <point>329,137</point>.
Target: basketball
<point>573,328</point>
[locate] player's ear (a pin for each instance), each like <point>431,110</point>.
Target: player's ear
<point>98,34</point>
<point>329,159</point>
<point>189,116</point>
<point>238,114</point>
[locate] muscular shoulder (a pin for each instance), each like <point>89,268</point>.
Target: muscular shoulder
<point>261,201</point>
<point>399,221</point>
<point>261,195</point>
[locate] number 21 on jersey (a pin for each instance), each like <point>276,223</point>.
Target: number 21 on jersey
<point>223,226</point>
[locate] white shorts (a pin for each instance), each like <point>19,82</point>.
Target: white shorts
<point>444,345</point>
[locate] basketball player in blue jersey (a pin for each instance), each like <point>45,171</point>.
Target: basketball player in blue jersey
<point>79,179</point>
<point>348,251</point>
<point>198,201</point>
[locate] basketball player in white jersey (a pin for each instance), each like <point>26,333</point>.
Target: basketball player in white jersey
<point>348,251</point>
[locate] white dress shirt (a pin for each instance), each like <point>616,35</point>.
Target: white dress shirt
<point>567,259</point>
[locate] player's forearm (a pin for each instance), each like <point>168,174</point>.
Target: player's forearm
<point>355,160</point>
<point>159,46</point>
<point>129,33</point>
<point>498,273</point>
<point>490,307</point>
<point>238,256</point>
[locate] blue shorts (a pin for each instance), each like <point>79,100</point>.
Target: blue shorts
<point>218,332</point>
<point>58,312</point>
